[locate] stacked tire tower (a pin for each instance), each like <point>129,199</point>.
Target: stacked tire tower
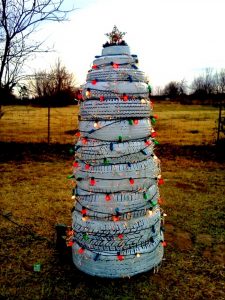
<point>117,222</point>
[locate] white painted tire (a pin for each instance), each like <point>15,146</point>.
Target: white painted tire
<point>115,109</point>
<point>113,130</point>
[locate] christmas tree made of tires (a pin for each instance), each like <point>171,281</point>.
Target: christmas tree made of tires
<point>117,222</point>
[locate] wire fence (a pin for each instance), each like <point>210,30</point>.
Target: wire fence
<point>38,124</point>
<point>177,124</point>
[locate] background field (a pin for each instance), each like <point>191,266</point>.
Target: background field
<point>36,195</point>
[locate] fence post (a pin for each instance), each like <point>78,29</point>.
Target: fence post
<point>49,122</point>
<point>219,120</point>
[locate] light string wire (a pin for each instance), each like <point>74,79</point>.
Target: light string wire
<point>121,250</point>
<point>140,208</point>
<point>136,191</point>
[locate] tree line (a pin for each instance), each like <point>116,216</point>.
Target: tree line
<point>208,84</point>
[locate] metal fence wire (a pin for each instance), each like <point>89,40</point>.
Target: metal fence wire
<point>176,125</point>
<point>38,124</point>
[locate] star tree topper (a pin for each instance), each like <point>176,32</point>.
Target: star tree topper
<point>115,36</point>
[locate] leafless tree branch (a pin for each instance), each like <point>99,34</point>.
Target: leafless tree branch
<point>19,19</point>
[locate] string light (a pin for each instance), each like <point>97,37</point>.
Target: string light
<point>160,181</point>
<point>88,93</point>
<point>81,250</point>
<point>130,122</point>
<point>85,237</point>
<point>69,243</point>
<point>84,140</point>
<point>105,161</point>
<point>131,180</point>
<point>96,256</point>
<point>147,142</point>
<point>115,218</point>
<point>94,81</point>
<point>153,134</point>
<point>145,196</point>
<point>156,142</point>
<point>150,212</point>
<point>164,243</point>
<point>160,201</point>
<point>107,197</point>
<point>70,176</point>
<point>102,98</point>
<point>79,96</point>
<point>87,167</point>
<point>119,256</point>
<point>125,97</point>
<point>76,164</point>
<point>96,125</point>
<point>111,146</point>
<point>130,78</point>
<point>92,181</point>
<point>84,211</point>
<point>115,66</point>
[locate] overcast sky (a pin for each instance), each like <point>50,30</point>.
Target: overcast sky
<point>174,39</point>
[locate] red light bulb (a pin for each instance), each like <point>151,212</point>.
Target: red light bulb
<point>115,66</point>
<point>125,97</point>
<point>92,181</point>
<point>95,67</point>
<point>84,140</point>
<point>84,211</point>
<point>107,197</point>
<point>131,181</point>
<point>94,81</point>
<point>78,134</point>
<point>160,201</point>
<point>120,236</point>
<point>102,98</point>
<point>164,244</point>
<point>148,142</point>
<point>76,164</point>
<point>153,134</point>
<point>79,96</point>
<point>81,251</point>
<point>160,181</point>
<point>87,167</point>
<point>120,257</point>
<point>136,122</point>
<point>70,244</point>
<point>115,218</point>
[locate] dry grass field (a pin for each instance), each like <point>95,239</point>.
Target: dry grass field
<point>36,195</point>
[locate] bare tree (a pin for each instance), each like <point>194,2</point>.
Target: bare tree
<point>220,82</point>
<point>19,19</point>
<point>175,88</point>
<point>57,84</point>
<point>204,84</point>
